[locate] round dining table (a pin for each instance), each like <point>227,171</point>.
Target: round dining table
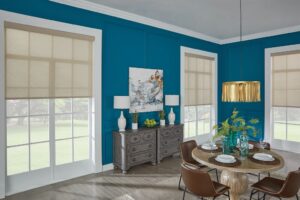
<point>236,177</point>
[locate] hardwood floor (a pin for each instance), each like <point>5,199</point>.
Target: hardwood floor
<point>142,182</point>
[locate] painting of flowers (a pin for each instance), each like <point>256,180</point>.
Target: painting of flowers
<point>145,89</point>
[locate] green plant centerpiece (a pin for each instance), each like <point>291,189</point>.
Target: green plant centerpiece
<point>230,128</point>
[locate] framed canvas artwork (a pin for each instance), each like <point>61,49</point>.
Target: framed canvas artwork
<point>145,89</point>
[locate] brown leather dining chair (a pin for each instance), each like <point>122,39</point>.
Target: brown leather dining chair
<point>186,149</point>
<point>279,188</point>
<point>199,183</point>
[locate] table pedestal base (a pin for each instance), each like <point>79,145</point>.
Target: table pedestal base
<point>238,183</point>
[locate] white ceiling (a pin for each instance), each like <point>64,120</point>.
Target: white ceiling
<point>215,18</point>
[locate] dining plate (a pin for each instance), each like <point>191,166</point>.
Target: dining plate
<point>225,158</point>
<point>209,147</point>
<point>263,157</point>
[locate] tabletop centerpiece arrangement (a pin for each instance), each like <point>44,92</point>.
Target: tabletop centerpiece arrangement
<point>231,128</point>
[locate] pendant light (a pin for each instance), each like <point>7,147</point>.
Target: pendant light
<point>241,91</point>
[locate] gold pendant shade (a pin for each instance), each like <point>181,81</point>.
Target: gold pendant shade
<point>241,91</point>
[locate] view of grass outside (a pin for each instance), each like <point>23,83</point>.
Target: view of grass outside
<point>34,140</point>
<point>197,120</point>
<point>286,124</point>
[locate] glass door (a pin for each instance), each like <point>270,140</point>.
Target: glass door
<point>47,140</point>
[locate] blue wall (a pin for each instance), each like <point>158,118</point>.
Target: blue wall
<point>125,44</point>
<point>128,44</point>
<point>245,61</point>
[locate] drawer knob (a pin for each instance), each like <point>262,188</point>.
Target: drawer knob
<point>133,159</point>
<point>149,145</point>
<point>133,149</point>
<point>135,138</point>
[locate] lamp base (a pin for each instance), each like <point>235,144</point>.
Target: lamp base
<point>171,117</point>
<point>121,122</point>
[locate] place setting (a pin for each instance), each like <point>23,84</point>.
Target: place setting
<point>210,148</point>
<point>264,158</point>
<point>225,160</point>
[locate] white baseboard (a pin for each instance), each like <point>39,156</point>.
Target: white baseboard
<point>107,167</point>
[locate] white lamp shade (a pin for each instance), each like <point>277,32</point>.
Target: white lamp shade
<point>121,102</point>
<point>172,100</point>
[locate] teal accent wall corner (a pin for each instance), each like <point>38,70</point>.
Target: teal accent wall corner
<point>124,44</point>
<point>246,61</point>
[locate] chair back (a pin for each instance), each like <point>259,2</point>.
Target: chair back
<point>198,182</point>
<point>291,185</point>
<point>186,149</point>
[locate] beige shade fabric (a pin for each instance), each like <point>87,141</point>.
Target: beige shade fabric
<point>42,63</point>
<point>285,79</point>
<point>199,80</point>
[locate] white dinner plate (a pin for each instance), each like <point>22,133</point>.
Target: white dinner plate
<point>263,157</point>
<point>209,146</point>
<point>225,158</point>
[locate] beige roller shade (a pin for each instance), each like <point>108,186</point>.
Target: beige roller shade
<point>199,73</point>
<point>44,63</point>
<point>285,79</point>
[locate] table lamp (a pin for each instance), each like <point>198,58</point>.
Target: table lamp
<point>172,100</point>
<point>121,102</point>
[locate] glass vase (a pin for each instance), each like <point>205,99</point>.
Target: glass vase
<point>244,146</point>
<point>226,145</point>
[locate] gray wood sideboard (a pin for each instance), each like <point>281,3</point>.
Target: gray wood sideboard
<point>168,140</point>
<point>135,147</point>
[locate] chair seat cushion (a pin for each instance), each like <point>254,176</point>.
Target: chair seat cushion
<point>220,188</point>
<point>269,185</point>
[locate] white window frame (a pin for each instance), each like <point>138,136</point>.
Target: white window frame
<point>97,91</point>
<point>183,50</point>
<point>276,144</point>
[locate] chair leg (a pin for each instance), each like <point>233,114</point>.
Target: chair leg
<point>179,188</point>
<point>184,193</point>
<point>217,175</point>
<point>297,197</point>
<point>228,195</point>
<point>264,196</point>
<point>251,194</point>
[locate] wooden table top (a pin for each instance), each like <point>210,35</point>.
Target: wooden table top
<point>247,166</point>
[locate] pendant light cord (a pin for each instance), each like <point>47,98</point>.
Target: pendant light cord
<point>241,52</point>
<point>241,25</point>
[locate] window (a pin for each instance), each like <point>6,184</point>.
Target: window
<point>48,98</point>
<point>199,111</point>
<point>286,96</point>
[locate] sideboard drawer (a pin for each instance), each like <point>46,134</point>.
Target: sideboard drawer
<point>135,138</point>
<point>140,147</point>
<point>171,141</point>
<point>142,157</point>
